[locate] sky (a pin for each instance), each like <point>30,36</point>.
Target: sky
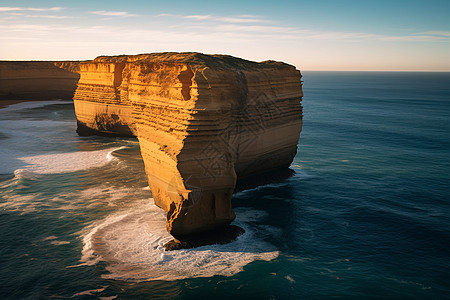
<point>382,35</point>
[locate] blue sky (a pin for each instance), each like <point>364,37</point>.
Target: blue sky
<point>312,35</point>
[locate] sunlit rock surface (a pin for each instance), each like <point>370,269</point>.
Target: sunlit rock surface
<point>37,80</point>
<point>203,122</point>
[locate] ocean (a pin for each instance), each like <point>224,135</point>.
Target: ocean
<point>365,216</point>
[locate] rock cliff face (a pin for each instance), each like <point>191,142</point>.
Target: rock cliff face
<point>37,80</point>
<point>203,122</point>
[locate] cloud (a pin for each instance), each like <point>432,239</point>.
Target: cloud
<point>252,26</point>
<point>255,27</point>
<point>413,38</point>
<point>239,19</point>
<point>205,33</point>
<point>113,13</point>
<point>438,33</point>
<point>14,12</point>
<point>249,16</point>
<point>295,33</point>
<point>38,16</point>
<point>258,28</point>
<point>221,19</point>
<point>8,9</point>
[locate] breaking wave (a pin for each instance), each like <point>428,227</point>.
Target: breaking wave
<point>64,162</point>
<point>32,104</point>
<point>131,243</point>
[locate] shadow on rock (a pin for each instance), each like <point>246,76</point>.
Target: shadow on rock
<point>220,236</point>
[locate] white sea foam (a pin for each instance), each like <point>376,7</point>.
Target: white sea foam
<point>90,292</point>
<point>299,172</point>
<point>25,174</point>
<point>65,162</point>
<point>24,137</point>
<point>31,105</point>
<point>131,242</point>
<point>97,197</point>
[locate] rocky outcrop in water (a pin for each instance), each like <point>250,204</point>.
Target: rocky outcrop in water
<point>38,80</point>
<point>203,122</point>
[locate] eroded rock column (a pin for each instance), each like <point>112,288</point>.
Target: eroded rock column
<point>203,122</point>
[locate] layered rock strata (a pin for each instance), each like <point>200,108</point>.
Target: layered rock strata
<point>203,122</point>
<point>37,80</point>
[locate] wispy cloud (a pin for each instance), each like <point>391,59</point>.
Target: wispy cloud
<point>113,13</point>
<point>412,38</point>
<point>294,33</point>
<point>221,19</point>
<point>436,33</point>
<point>238,19</point>
<point>258,27</point>
<point>8,9</point>
<point>25,33</point>
<point>248,28</point>
<point>22,15</point>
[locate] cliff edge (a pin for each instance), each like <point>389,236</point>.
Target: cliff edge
<point>38,80</point>
<point>203,122</point>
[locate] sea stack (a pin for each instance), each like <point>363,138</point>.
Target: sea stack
<point>203,122</point>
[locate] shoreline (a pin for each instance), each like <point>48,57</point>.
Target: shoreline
<point>6,103</point>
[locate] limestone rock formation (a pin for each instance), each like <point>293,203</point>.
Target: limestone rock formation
<point>203,122</point>
<point>37,80</point>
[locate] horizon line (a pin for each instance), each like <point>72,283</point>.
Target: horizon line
<point>300,69</point>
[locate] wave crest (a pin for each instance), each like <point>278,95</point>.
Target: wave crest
<point>131,242</point>
<point>67,162</point>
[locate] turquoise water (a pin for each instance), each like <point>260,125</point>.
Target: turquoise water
<point>366,215</point>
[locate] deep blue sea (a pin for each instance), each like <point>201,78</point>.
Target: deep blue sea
<point>366,215</point>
